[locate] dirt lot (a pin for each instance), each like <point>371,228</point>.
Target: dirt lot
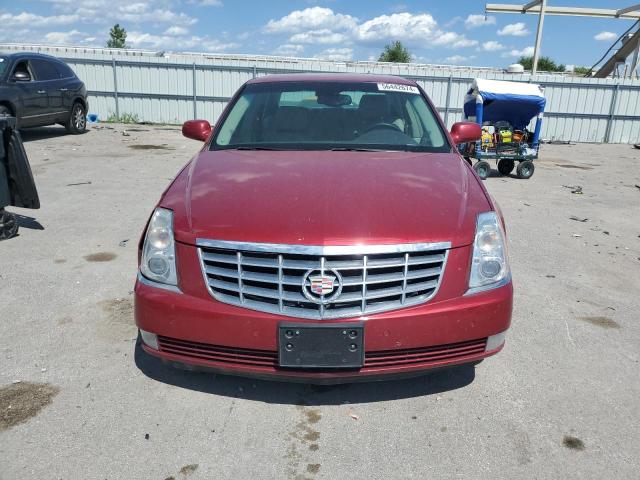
<point>78,400</point>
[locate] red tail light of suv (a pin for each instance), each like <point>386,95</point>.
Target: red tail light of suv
<point>328,231</point>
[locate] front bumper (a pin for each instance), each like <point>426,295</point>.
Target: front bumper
<point>200,332</point>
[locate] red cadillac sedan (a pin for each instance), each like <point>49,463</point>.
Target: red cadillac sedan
<point>327,231</point>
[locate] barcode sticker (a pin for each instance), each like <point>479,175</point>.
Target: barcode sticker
<point>397,87</point>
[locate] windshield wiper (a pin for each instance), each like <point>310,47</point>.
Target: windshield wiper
<point>252,148</point>
<point>354,149</point>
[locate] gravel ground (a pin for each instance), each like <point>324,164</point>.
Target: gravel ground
<point>78,400</point>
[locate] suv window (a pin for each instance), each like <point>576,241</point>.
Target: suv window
<point>64,71</point>
<point>45,70</point>
<point>3,65</point>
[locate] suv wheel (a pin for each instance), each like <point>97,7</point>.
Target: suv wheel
<point>4,111</point>
<point>77,122</point>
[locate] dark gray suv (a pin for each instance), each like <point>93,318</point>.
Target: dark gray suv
<point>42,90</point>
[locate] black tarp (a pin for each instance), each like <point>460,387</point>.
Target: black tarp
<point>17,187</point>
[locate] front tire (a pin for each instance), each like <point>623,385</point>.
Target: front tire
<point>77,122</point>
<point>4,111</point>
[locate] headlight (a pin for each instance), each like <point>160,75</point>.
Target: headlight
<point>158,261</point>
<point>489,265</point>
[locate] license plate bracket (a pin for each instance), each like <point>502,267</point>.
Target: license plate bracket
<point>322,346</point>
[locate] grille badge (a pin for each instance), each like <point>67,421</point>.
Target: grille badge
<point>320,287</point>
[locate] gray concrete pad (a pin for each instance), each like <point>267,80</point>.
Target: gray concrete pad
<point>561,400</point>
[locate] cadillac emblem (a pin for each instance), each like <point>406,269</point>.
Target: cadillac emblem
<point>322,287</point>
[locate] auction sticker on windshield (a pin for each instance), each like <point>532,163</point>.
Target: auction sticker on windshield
<point>396,87</point>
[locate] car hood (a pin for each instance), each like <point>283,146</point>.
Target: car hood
<point>326,198</point>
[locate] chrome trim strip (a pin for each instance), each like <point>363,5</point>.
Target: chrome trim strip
<point>150,283</point>
<point>43,115</point>
<point>491,286</point>
<point>322,250</point>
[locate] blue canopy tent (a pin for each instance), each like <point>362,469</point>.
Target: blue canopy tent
<point>515,102</point>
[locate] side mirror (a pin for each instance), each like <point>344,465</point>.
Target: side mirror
<point>462,132</point>
<point>196,130</point>
<point>21,76</point>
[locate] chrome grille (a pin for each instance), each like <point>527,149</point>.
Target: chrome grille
<point>373,278</point>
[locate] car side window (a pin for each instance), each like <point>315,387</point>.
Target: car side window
<point>23,68</point>
<point>45,70</point>
<point>64,71</point>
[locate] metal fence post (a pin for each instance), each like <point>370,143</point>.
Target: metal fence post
<point>255,71</point>
<point>612,111</point>
<point>195,98</point>
<point>115,88</point>
<point>448,104</point>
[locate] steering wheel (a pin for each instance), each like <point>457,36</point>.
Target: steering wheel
<point>382,125</point>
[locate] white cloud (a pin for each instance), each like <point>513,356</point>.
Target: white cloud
<point>9,21</point>
<point>458,59</point>
<point>323,36</point>
<point>474,21</point>
<point>167,42</point>
<point>525,52</point>
<point>606,36</point>
<point>336,54</point>
<point>65,38</point>
<point>289,50</point>
<point>319,25</point>
<point>491,46</point>
<point>108,12</point>
<point>206,3</point>
<point>514,29</point>
<point>400,26</point>
<point>176,31</point>
<point>313,18</point>
<point>421,29</point>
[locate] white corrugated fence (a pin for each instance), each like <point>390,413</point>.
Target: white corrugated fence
<point>171,88</point>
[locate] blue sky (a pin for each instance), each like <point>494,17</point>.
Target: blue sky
<point>451,32</point>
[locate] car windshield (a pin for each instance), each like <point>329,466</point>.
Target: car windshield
<point>331,116</point>
<point>3,65</point>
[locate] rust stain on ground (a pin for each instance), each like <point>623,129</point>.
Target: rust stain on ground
<point>100,257</point>
<point>21,401</point>
<point>120,324</point>
<point>604,322</point>
<point>573,443</point>
<point>188,469</point>
<point>569,165</point>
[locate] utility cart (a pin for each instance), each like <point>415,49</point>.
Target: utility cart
<point>504,110</point>
<point>17,187</point>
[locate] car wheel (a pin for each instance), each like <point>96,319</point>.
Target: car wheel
<point>525,169</point>
<point>505,166</point>
<point>4,111</point>
<point>8,225</point>
<point>77,122</point>
<point>482,168</point>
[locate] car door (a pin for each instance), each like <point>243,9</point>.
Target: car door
<point>33,101</point>
<point>69,85</point>
<point>49,81</point>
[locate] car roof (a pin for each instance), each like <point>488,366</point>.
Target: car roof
<point>332,77</point>
<point>17,55</point>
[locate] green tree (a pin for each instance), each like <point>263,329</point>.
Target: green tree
<point>582,71</point>
<point>118,37</point>
<point>395,52</point>
<point>545,64</point>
